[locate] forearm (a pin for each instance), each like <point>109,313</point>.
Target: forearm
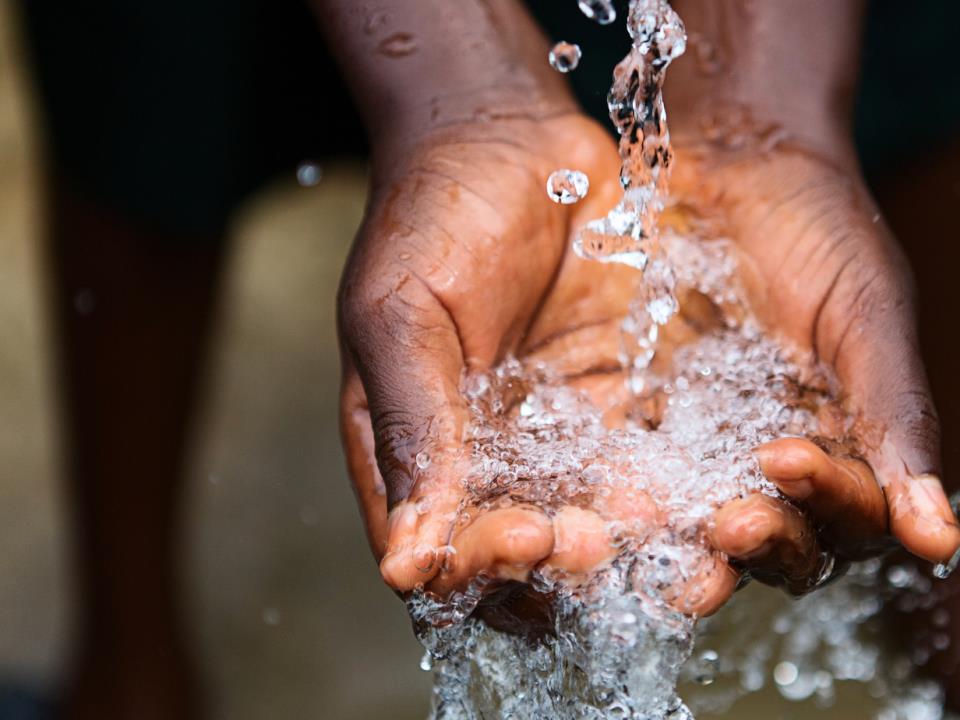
<point>793,64</point>
<point>414,65</point>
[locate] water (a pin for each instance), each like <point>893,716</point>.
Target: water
<point>567,186</point>
<point>309,173</point>
<point>564,57</point>
<point>601,11</point>
<point>701,385</point>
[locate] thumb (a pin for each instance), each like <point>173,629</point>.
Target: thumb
<point>878,361</point>
<point>402,347</point>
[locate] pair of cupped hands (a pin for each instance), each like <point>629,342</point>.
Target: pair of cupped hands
<point>462,260</point>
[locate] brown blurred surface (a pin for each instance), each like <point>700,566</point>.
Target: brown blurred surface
<point>287,609</point>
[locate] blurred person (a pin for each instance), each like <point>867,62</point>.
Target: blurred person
<point>160,120</point>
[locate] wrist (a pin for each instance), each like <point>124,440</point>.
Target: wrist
<point>770,67</point>
<point>414,66</point>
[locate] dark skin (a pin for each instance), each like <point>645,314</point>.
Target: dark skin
<point>462,260</point>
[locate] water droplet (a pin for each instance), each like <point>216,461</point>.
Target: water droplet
<point>271,616</point>
<point>84,302</point>
<point>602,11</point>
<point>398,45</point>
<point>309,173</point>
<point>900,576</point>
<point>942,571</point>
<point>785,673</point>
<point>426,662</point>
<point>423,460</point>
<point>940,617</point>
<point>375,21</point>
<point>706,668</point>
<point>423,505</point>
<point>565,56</point>
<point>567,186</point>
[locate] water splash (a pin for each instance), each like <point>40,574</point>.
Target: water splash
<point>942,571</point>
<point>567,186</point>
<point>628,234</point>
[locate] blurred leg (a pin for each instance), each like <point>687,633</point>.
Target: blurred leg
<point>132,310</point>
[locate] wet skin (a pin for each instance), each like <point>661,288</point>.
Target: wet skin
<point>463,259</point>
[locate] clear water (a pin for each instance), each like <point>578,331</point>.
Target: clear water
<point>564,56</point>
<point>694,406</point>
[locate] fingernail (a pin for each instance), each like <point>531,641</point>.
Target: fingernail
<point>928,497</point>
<point>423,557</point>
<point>762,453</point>
<point>800,489</point>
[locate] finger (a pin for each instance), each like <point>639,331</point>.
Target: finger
<point>709,589</point>
<point>771,539</point>
<point>356,433</point>
<point>878,360</point>
<point>582,542</point>
<point>841,493</point>
<point>504,544</point>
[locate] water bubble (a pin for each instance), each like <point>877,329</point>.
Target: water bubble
<point>602,11</point>
<point>309,173</point>
<point>899,576</point>
<point>423,460</point>
<point>271,616</point>
<point>398,45</point>
<point>785,673</point>
<point>706,668</point>
<point>565,56</point>
<point>426,662</point>
<point>567,186</point>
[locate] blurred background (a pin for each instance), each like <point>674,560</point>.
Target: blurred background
<point>284,605</point>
